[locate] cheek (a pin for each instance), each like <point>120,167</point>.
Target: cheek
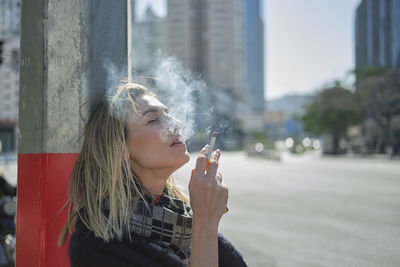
<point>147,149</point>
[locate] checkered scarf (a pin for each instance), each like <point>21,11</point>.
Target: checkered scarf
<point>167,222</point>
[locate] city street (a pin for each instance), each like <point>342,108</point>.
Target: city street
<point>306,211</point>
<point>268,76</point>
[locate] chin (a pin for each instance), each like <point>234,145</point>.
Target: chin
<point>184,159</point>
<point>187,157</point>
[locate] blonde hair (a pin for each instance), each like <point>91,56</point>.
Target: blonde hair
<point>102,171</point>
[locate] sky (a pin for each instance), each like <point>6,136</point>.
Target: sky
<point>307,43</point>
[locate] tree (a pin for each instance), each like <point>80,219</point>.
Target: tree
<point>378,91</point>
<point>332,111</point>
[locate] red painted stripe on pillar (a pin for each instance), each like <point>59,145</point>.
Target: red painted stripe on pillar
<point>42,192</point>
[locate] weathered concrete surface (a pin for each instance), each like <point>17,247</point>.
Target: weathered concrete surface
<point>312,212</point>
<point>66,74</point>
<point>70,52</point>
<point>31,104</point>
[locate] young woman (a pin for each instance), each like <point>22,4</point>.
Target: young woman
<point>125,207</point>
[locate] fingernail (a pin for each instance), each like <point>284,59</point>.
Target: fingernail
<point>205,147</point>
<point>217,153</point>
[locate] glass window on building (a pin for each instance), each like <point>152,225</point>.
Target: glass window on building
<point>7,139</point>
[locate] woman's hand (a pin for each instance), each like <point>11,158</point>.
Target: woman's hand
<point>208,195</point>
<point>208,198</point>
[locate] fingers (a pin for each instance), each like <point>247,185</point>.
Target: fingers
<point>201,161</point>
<point>213,165</point>
<point>218,177</point>
<point>206,188</point>
<point>207,168</point>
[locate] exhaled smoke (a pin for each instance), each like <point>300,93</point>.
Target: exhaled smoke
<point>176,87</point>
<point>114,76</point>
<point>185,95</point>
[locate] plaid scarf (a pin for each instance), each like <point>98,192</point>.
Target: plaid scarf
<point>167,223</point>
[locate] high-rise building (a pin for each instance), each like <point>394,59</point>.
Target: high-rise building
<point>10,17</point>
<point>378,34</point>
<point>9,80</point>
<point>181,35</point>
<point>254,31</point>
<point>210,37</point>
<point>148,37</point>
<point>207,36</point>
<point>378,45</point>
<point>9,73</point>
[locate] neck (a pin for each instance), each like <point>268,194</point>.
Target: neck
<point>154,180</point>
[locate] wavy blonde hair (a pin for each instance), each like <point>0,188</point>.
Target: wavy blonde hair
<point>102,170</point>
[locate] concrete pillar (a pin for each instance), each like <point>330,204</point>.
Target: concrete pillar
<point>66,48</point>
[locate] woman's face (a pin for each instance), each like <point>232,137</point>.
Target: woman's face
<point>154,137</point>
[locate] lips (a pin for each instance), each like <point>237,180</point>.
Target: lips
<point>177,140</point>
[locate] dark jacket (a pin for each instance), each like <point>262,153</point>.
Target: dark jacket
<point>86,250</point>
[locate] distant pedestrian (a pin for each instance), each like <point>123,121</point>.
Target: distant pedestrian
<point>125,208</point>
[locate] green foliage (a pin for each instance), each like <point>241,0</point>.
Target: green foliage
<point>367,72</point>
<point>379,98</point>
<point>202,135</point>
<point>259,137</point>
<point>332,111</point>
<point>379,95</point>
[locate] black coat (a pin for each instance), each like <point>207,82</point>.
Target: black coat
<point>86,250</point>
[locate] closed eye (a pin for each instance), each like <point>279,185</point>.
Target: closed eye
<point>152,121</point>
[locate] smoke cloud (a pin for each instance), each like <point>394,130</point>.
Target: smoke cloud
<point>186,95</point>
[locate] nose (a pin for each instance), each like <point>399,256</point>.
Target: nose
<point>173,124</point>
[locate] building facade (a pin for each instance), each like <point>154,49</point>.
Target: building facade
<point>377,34</point>
<point>10,16</point>
<point>148,38</point>
<point>207,36</point>
<point>254,30</point>
<point>220,39</point>
<point>9,80</point>
<point>377,44</point>
<point>9,73</point>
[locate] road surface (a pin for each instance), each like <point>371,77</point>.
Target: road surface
<point>307,211</point>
